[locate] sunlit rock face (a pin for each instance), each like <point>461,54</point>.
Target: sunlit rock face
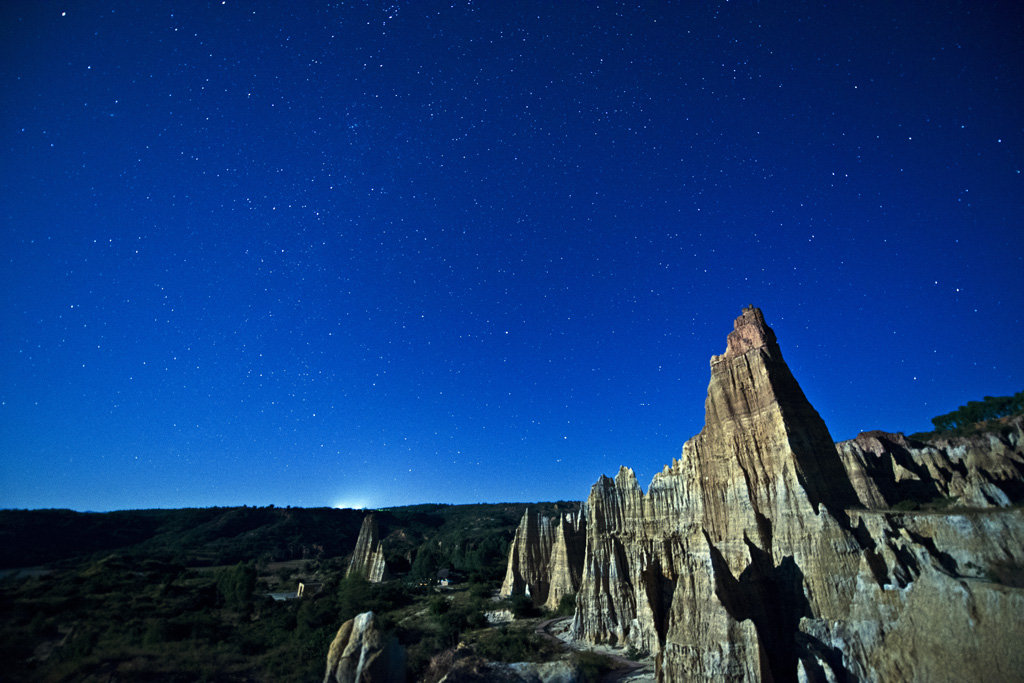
<point>368,557</point>
<point>939,599</point>
<point>752,557</point>
<point>977,471</point>
<point>528,558</point>
<point>546,558</point>
<point>565,568</point>
<point>709,568</point>
<point>362,653</point>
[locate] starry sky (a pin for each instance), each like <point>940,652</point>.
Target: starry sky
<point>383,253</point>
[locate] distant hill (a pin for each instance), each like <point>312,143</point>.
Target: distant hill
<point>222,536</point>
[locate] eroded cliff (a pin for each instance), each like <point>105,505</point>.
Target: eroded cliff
<point>752,557</point>
<point>546,558</point>
<point>978,470</point>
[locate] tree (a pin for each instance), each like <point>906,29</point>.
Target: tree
<point>237,584</point>
<point>428,561</point>
<point>990,408</point>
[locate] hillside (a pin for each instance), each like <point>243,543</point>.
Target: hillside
<point>223,536</point>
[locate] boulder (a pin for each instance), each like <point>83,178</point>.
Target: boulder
<point>361,653</point>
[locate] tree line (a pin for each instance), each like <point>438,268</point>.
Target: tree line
<point>989,408</point>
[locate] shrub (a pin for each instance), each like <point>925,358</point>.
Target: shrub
<point>357,595</point>
<point>566,605</point>
<point>635,654</point>
<point>593,665</point>
<point>439,605</point>
<point>522,607</point>
<point>507,644</point>
<point>480,590</point>
<point>236,585</point>
<point>940,502</point>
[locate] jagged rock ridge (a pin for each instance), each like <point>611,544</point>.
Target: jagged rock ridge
<point>752,557</point>
<point>368,557</point>
<point>546,558</point>
<point>978,470</point>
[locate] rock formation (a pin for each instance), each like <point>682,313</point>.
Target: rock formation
<point>976,471</point>
<point>528,558</point>
<point>565,567</point>
<point>752,557</point>
<point>939,599</point>
<point>360,653</point>
<point>368,557</point>
<point>546,558</point>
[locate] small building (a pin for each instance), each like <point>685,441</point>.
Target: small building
<point>447,577</point>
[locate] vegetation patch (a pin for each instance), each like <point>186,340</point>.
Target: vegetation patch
<point>515,644</point>
<point>976,416</point>
<point>593,665</point>
<point>137,612</point>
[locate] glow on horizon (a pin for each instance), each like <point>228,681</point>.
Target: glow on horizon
<point>351,504</point>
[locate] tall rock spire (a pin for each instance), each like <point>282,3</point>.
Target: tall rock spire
<point>528,558</point>
<point>752,389</point>
<point>368,557</point>
<point>709,568</point>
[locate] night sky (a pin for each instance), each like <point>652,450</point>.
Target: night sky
<point>374,254</point>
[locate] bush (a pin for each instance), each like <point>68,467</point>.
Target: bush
<point>481,590</point>
<point>522,607</point>
<point>236,585</point>
<point>593,665</point>
<point>439,605</point>
<point>635,654</point>
<point>940,502</point>
<point>507,644</point>
<point>566,605</point>
<point>357,595</point>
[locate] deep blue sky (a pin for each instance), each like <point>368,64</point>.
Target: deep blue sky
<point>388,253</point>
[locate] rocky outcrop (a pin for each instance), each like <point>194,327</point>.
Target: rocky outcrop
<point>752,556</point>
<point>463,665</point>
<point>546,558</point>
<point>478,671</point>
<point>361,653</point>
<point>939,599</point>
<point>978,470</point>
<point>368,557</point>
